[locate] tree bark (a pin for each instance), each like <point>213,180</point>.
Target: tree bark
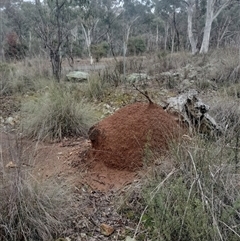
<point>207,28</point>
<point>157,37</point>
<point>210,16</point>
<point>87,35</point>
<point>166,28</point>
<point>176,31</point>
<point>192,40</point>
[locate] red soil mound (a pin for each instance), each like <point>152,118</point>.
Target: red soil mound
<point>122,140</point>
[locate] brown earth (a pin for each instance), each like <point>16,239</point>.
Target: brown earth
<point>122,140</point>
<point>115,156</point>
<point>66,160</point>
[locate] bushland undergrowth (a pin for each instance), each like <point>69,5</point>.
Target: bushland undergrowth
<point>197,199</point>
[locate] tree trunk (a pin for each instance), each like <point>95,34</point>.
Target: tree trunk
<point>207,28</point>
<point>193,42</point>
<point>56,64</point>
<point>210,16</point>
<point>173,41</point>
<point>166,27</point>
<point>30,43</point>
<point>126,38</point>
<point>222,31</point>
<point>176,31</point>
<point>87,35</point>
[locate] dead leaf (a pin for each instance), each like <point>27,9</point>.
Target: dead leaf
<point>106,230</point>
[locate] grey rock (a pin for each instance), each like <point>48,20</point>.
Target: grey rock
<point>77,76</point>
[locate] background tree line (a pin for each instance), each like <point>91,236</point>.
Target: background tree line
<point>94,29</point>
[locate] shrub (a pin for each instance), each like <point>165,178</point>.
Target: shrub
<point>99,84</point>
<point>136,46</point>
<point>100,50</point>
<point>14,50</point>
<point>24,78</point>
<point>165,61</point>
<point>95,88</point>
<point>56,114</point>
<point>232,90</point>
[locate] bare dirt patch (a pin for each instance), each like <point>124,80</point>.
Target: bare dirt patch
<point>66,160</point>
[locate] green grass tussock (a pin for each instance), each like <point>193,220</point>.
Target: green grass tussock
<point>56,114</point>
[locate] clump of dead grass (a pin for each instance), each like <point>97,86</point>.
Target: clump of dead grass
<point>226,111</point>
<point>24,77</point>
<point>32,210</point>
<point>228,65</point>
<point>7,72</point>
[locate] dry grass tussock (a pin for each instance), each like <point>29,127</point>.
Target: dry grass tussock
<point>226,111</point>
<point>227,62</point>
<point>24,77</point>
<point>32,210</point>
<point>55,114</point>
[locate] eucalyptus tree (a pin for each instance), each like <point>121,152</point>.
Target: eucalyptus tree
<point>191,10</point>
<point>226,27</point>
<point>170,11</point>
<point>54,21</point>
<point>136,20</point>
<point>109,26</point>
<point>88,18</point>
<point>213,9</point>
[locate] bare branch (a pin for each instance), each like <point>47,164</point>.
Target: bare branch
<point>145,94</point>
